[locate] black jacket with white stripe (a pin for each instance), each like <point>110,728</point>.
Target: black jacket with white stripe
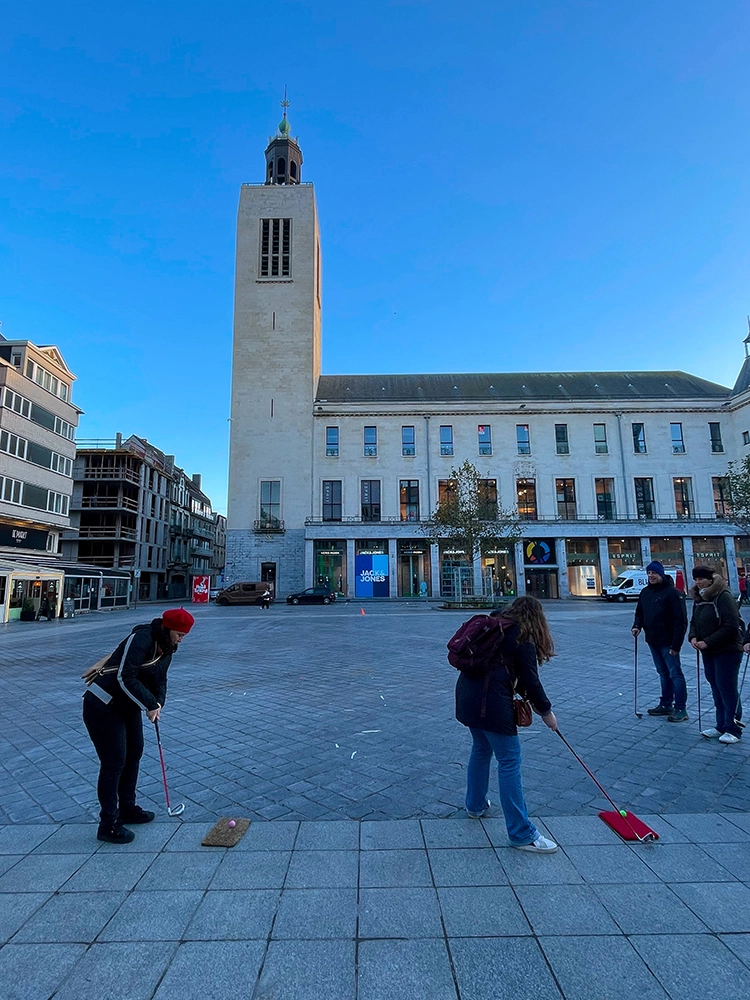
<point>142,661</point>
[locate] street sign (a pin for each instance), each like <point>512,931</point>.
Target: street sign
<point>136,573</point>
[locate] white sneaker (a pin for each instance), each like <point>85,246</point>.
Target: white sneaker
<point>728,738</point>
<point>710,734</point>
<point>542,845</point>
<point>481,814</point>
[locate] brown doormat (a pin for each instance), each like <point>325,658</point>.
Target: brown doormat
<point>222,835</point>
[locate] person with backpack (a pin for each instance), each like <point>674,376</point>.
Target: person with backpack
<point>718,635</point>
<point>499,657</point>
<point>121,687</point>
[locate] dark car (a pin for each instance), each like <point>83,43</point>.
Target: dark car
<point>313,595</point>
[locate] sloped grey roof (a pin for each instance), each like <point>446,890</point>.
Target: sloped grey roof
<point>521,386</point>
<point>743,379</point>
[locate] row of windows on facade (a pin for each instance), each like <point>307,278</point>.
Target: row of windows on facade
<point>23,494</point>
<point>523,439</point>
<point>526,498</point>
<point>37,414</point>
<point>36,454</point>
<point>41,376</point>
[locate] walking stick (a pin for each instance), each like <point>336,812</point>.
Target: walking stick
<point>739,695</point>
<point>638,715</point>
<point>698,671</point>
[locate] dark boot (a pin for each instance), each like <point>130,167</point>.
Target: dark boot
<point>114,833</point>
<point>136,815</point>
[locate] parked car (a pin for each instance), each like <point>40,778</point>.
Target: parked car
<point>214,593</point>
<point>243,593</point>
<point>313,595</point>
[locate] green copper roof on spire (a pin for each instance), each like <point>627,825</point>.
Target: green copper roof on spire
<point>284,126</point>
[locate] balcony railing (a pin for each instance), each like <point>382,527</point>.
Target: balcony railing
<point>122,474</point>
<point>202,531</point>
<point>124,562</point>
<point>106,503</point>
<point>269,526</point>
<point>107,531</point>
<point>539,518</point>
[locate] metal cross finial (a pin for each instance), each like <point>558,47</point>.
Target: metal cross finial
<point>285,103</point>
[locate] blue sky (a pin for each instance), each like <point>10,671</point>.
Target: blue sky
<point>502,186</point>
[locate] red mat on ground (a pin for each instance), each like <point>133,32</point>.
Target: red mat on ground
<point>629,827</point>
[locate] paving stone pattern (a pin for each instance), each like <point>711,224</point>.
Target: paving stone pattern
<point>402,909</point>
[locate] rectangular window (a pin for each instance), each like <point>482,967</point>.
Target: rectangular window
<point>605,499</point>
<point>270,502</point>
<point>12,444</point>
<point>370,493</point>
<point>446,490</point>
<point>409,499</point>
<point>678,443</point>
<point>565,490</point>
<point>722,501</point>
<point>484,435</point>
<point>487,507</point>
<point>600,439</point>
<point>332,442</point>
<point>561,439</point>
<point>526,499</point>
<point>275,248</point>
<point>446,439</point>
<point>523,440</point>
<point>10,490</point>
<point>717,446</point>
<point>331,499</point>
<point>644,498</point>
<point>683,496</point>
<point>408,446</point>
<point>371,442</point>
<point>746,437</point>
<point>639,439</point>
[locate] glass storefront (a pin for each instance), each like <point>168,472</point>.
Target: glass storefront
<point>371,576</point>
<point>742,550</point>
<point>456,573</point>
<point>330,565</point>
<point>540,568</point>
<point>114,592</point>
<point>624,553</point>
<point>671,554</point>
<point>710,552</point>
<point>499,571</point>
<point>584,574</point>
<point>414,577</point>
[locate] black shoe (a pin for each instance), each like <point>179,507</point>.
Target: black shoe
<point>660,710</point>
<point>115,834</point>
<point>137,815</point>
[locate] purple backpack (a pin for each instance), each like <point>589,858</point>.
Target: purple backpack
<point>475,647</point>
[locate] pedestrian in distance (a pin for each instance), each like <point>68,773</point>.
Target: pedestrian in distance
<point>130,681</point>
<point>743,590</point>
<point>265,600</point>
<point>717,633</point>
<point>662,615</point>
<point>484,703</point>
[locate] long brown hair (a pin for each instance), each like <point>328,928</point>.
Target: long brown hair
<point>533,627</point>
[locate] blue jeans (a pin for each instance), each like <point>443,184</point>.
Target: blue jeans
<point>507,750</point>
<point>722,670</point>
<point>673,686</point>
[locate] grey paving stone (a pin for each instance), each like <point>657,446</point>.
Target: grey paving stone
<point>296,969</point>
<point>23,838</point>
<point>316,913</point>
<point>682,863</point>
<point>242,915</point>
<point>212,969</point>
<point>502,969</point>
<point>328,836</point>
<point>15,910</point>
<point>398,834</point>
<point>322,870</point>
<point>524,868</point>
<point>41,873</point>
<point>740,945</point>
<point>459,832</point>
<point>600,863</point>
<point>399,913</point>
<point>570,830</point>
<point>71,917</point>
<point>740,819</point>
<point>104,872</point>
<point>668,834</point>
<point>72,838</point>
<point>475,866</point>
<point>180,870</point>
<point>483,911</point>
<point>393,970</point>
<point>393,869</point>
<point>153,916</point>
<point>277,836</point>
<point>648,909</point>
<point>118,971</point>
<point>252,870</point>
<point>710,829</point>
<point>188,837</point>
<point>497,831</point>
<point>148,837</point>
<point>734,857</point>
<point>564,909</point>
<point>610,967</point>
<point>8,860</point>
<point>723,906</point>
<point>686,964</point>
<point>34,971</point>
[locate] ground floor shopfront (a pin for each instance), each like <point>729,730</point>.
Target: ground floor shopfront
<point>544,566</point>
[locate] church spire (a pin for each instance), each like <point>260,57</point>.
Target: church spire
<point>283,155</point>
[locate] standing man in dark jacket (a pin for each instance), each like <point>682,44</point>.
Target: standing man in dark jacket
<point>661,614</point>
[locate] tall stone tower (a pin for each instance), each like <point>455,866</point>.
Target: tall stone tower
<point>275,370</point>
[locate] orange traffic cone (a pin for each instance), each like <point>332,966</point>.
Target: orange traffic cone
<point>361,611</point>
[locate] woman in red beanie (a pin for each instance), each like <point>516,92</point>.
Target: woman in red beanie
<point>131,681</point>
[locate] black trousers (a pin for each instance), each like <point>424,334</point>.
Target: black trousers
<point>118,740</point>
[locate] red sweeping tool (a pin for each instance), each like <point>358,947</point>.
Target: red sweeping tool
<point>624,823</point>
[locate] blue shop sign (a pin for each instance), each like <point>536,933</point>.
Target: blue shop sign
<point>371,576</point>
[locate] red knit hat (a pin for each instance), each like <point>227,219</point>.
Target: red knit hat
<point>177,620</point>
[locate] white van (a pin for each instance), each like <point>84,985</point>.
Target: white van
<point>628,585</point>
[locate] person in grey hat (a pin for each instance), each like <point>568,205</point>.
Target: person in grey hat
<point>661,614</point>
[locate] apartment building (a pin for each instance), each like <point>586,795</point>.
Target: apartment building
<point>191,534</point>
<point>219,558</point>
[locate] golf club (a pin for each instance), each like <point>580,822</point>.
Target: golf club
<point>179,809</point>
<point>638,715</point>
